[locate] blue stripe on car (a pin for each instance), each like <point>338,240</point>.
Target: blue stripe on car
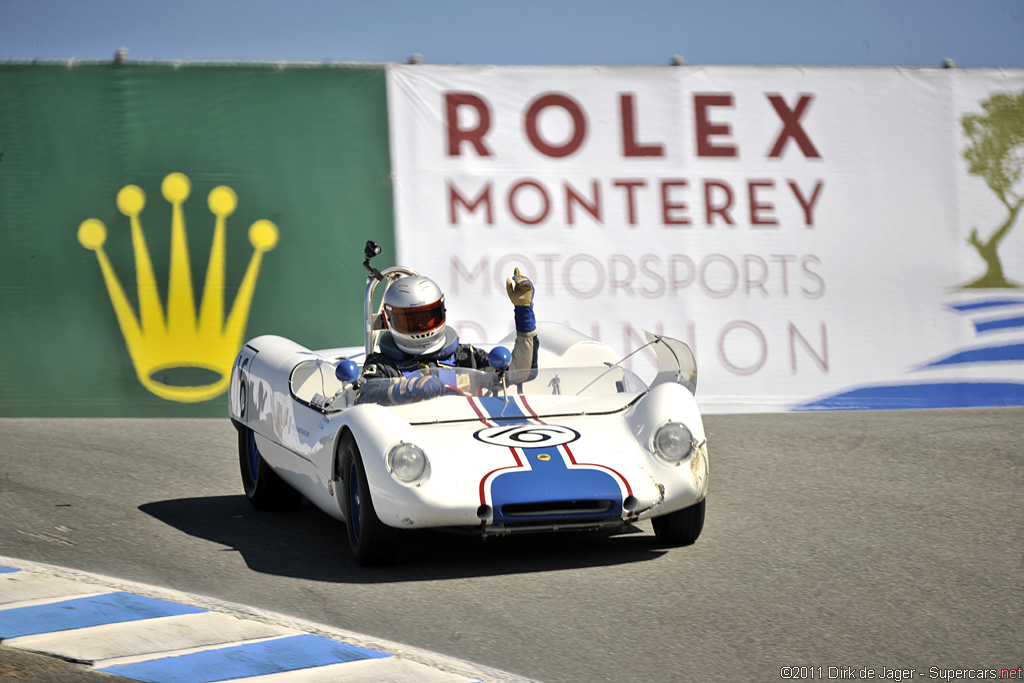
<point>507,411</point>
<point>548,479</point>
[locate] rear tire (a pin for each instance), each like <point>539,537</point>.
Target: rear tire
<point>372,542</point>
<point>263,487</point>
<point>681,527</point>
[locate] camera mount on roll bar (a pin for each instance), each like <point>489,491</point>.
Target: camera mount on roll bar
<point>369,251</point>
<point>374,320</point>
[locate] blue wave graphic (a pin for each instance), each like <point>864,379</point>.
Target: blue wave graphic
<point>919,396</point>
<point>986,303</point>
<point>998,324</point>
<point>990,314</point>
<point>997,353</point>
<point>1008,353</point>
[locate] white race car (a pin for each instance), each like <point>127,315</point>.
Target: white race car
<point>578,443</point>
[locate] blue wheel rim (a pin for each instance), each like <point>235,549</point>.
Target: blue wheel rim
<point>353,501</point>
<point>254,457</point>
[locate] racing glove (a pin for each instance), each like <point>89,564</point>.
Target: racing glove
<point>520,293</point>
<point>411,389</point>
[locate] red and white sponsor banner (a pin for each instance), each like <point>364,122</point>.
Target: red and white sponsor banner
<point>804,230</point>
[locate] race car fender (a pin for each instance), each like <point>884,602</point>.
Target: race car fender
<point>685,483</point>
<point>376,430</point>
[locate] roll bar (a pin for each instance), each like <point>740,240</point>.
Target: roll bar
<point>373,318</point>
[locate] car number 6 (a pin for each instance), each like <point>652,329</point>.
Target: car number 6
<point>527,436</point>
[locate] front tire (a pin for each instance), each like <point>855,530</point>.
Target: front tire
<point>681,527</point>
<point>372,542</point>
<point>265,490</point>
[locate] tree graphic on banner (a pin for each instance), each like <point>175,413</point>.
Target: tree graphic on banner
<point>996,153</point>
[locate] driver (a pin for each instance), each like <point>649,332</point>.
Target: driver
<point>418,340</point>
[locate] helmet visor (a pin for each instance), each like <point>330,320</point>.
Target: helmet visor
<point>417,319</point>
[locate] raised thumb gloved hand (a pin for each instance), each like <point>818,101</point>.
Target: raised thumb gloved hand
<point>520,289</point>
<point>520,293</point>
<point>411,389</point>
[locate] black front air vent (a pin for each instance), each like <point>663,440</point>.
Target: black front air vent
<point>556,507</point>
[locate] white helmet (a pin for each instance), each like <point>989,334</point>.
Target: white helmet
<point>414,311</point>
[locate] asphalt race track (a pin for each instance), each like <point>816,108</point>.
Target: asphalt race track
<point>832,540</point>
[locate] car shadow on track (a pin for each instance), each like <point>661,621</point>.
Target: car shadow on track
<point>310,545</point>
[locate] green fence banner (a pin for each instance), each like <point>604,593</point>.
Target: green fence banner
<point>155,216</point>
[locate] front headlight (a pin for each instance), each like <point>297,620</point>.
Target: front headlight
<point>407,462</point>
<point>673,442</point>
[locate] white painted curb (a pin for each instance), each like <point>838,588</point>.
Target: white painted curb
<point>226,624</point>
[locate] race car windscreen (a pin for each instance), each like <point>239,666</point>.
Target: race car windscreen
<point>582,381</point>
<point>560,382</point>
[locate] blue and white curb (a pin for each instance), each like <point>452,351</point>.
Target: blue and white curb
<point>146,633</point>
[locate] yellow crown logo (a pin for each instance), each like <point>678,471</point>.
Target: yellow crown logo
<point>158,343</point>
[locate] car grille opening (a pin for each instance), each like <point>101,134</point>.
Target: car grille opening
<point>556,507</point>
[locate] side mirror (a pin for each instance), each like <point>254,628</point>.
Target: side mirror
<point>347,371</point>
<point>499,357</point>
